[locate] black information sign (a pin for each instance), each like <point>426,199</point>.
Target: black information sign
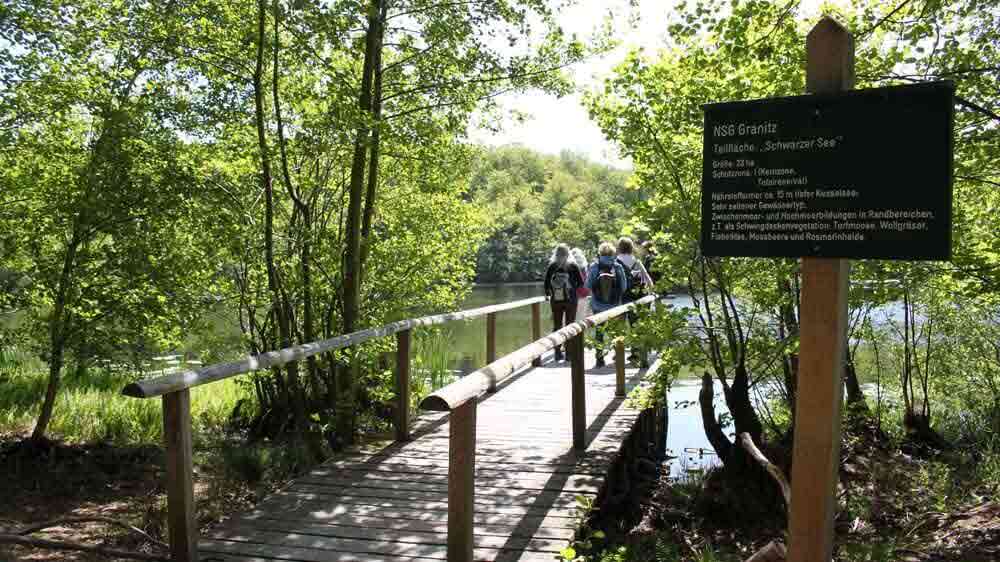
<point>859,174</point>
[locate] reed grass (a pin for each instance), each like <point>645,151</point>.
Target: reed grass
<point>92,408</point>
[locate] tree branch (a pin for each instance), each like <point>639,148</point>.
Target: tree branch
<point>883,20</point>
<point>93,519</point>
<point>779,477</point>
<point>66,545</point>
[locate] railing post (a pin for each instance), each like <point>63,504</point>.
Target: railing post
<point>578,392</point>
<point>461,481</point>
<point>491,337</point>
<point>619,367</point>
<point>403,385</point>
<point>536,329</point>
<point>182,527</point>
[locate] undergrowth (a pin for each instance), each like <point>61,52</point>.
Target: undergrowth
<point>92,408</point>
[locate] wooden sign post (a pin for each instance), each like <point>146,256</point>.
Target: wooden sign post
<point>823,315</point>
<point>834,175</point>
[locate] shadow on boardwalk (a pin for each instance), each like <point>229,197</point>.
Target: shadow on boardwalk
<point>390,502</point>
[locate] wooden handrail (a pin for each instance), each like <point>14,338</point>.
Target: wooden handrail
<point>159,386</point>
<point>461,399</point>
<point>175,393</point>
<point>478,383</point>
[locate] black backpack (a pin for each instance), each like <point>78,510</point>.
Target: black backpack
<point>633,280</point>
<point>606,289</point>
<point>560,285</point>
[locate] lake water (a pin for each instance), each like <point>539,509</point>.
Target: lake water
<point>468,337</point>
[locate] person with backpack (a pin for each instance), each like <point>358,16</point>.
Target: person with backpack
<point>638,282</point>
<point>562,279</point>
<point>582,294</point>
<point>606,281</point>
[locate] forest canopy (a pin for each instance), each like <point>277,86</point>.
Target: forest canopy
<point>534,201</point>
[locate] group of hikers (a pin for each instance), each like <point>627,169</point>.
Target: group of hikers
<point>616,277</point>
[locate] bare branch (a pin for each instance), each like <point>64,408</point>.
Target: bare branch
<point>66,545</point>
<point>93,519</point>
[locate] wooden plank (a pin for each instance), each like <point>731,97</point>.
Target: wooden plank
<point>431,466</point>
<point>403,385</point>
<point>181,523</point>
<point>539,510</point>
<point>485,487</point>
<point>554,452</point>
<point>823,312</point>
<point>391,527</point>
<point>374,541</point>
<point>421,481</point>
<point>498,497</point>
<point>461,482</point>
<point>431,455</point>
<point>235,551</point>
<point>602,451</point>
<point>292,507</point>
<point>243,551</point>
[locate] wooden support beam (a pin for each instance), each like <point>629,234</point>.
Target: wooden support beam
<point>578,393</point>
<point>181,523</point>
<point>536,329</point>
<point>403,385</point>
<point>461,481</point>
<point>816,451</point>
<point>491,339</point>
<point>619,367</point>
<point>823,314</point>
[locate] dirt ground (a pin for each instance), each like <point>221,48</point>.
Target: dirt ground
<point>59,481</point>
<point>887,512</point>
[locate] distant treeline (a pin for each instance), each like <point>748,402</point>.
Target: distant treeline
<point>535,201</point>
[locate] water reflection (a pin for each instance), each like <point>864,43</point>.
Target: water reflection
<point>686,442</point>
<point>468,338</point>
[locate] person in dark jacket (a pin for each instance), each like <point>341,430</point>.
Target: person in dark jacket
<point>562,279</point>
<point>606,281</point>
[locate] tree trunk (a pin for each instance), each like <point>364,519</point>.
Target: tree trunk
<point>790,324</point>
<point>713,431</point>
<point>279,305</point>
<point>741,407</point>
<point>58,328</point>
<point>285,310</point>
<point>370,196</point>
<point>855,396</point>
<point>352,257</point>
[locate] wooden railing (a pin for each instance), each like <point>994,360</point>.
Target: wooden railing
<point>461,397</point>
<point>175,392</point>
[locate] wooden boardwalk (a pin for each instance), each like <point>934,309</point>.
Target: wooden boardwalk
<point>390,502</point>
